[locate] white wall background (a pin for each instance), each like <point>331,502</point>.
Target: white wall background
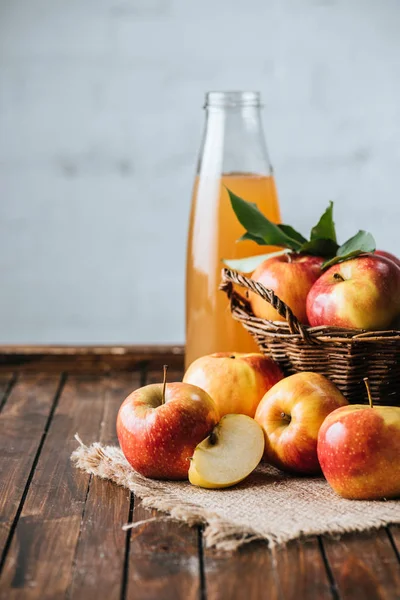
<point>100,124</point>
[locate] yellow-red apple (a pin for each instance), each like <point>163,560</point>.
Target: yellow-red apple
<point>291,414</point>
<point>291,277</point>
<point>361,293</point>
<point>159,427</point>
<point>359,451</point>
<point>236,382</point>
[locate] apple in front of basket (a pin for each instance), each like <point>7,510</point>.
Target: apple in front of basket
<point>235,381</point>
<point>160,425</point>
<point>291,414</point>
<point>359,451</point>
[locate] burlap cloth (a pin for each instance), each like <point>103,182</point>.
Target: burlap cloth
<point>268,505</point>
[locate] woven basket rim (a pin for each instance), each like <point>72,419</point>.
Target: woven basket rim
<point>291,328</point>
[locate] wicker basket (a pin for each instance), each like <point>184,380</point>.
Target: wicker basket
<point>346,356</point>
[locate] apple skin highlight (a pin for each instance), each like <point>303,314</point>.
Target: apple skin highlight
<point>159,439</point>
<point>359,451</point>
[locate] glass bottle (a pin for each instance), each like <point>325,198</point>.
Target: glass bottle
<point>233,155</point>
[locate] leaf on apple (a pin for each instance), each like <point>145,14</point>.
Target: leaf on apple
<point>252,238</point>
<point>257,224</point>
<point>325,228</point>
<point>320,247</point>
<point>250,263</point>
<point>322,242</point>
<point>292,233</point>
<point>360,243</point>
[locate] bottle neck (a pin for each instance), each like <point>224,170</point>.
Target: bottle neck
<point>233,141</point>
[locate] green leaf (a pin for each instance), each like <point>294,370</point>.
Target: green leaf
<point>252,238</point>
<point>325,228</point>
<point>358,244</point>
<point>320,247</point>
<point>292,233</point>
<point>250,263</point>
<point>362,241</point>
<point>259,226</point>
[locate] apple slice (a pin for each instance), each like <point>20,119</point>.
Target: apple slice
<point>229,454</point>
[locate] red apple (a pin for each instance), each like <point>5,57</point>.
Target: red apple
<point>361,293</point>
<point>359,451</point>
<point>291,277</point>
<point>158,433</point>
<point>291,414</point>
<point>236,382</point>
<point>388,255</point>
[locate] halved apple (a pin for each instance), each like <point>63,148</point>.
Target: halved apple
<point>229,454</point>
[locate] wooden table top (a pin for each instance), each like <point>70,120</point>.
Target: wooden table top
<point>60,529</point>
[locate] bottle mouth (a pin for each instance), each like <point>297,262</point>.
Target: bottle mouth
<point>232,99</point>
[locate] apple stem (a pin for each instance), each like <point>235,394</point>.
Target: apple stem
<point>165,369</point>
<point>338,277</point>
<point>368,392</point>
<point>286,417</point>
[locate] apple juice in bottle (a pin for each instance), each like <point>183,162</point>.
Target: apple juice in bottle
<point>233,155</point>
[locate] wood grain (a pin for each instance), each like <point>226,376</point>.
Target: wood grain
<point>163,560</point>
<point>89,359</point>
<point>395,535</point>
<point>292,572</point>
<point>40,560</point>
<point>364,566</point>
<point>100,556</point>
<point>301,571</point>
<point>22,424</point>
<point>7,381</point>
<point>248,573</point>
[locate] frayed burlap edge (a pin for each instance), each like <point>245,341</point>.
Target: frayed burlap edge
<point>108,462</point>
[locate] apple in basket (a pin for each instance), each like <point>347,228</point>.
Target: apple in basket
<point>236,382</point>
<point>388,255</point>
<point>291,414</point>
<point>160,425</point>
<point>229,454</point>
<point>291,277</point>
<point>359,451</point>
<point>361,293</point>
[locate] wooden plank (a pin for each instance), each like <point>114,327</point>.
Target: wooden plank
<point>394,532</point>
<point>7,380</point>
<point>78,359</point>
<point>100,557</point>
<point>163,555</point>
<point>40,559</point>
<point>247,573</point>
<point>163,559</point>
<point>301,571</point>
<point>364,566</point>
<point>22,425</point>
<point>290,572</point>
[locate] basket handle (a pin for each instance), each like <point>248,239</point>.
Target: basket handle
<point>230,277</point>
